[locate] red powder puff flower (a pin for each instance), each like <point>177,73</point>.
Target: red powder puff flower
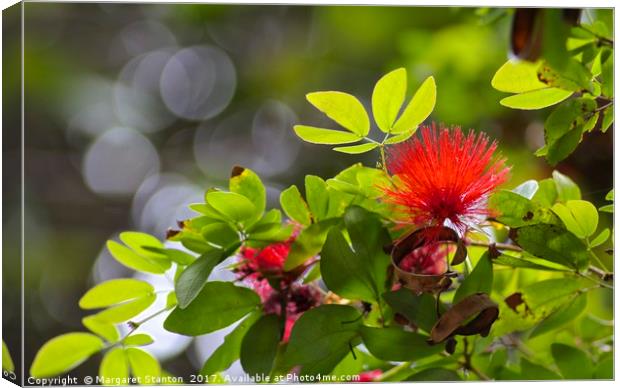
<point>444,177</point>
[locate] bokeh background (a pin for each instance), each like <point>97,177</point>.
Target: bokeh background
<point>134,110</point>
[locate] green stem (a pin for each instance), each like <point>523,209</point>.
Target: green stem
<point>394,371</point>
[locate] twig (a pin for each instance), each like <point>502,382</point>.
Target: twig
<point>467,363</point>
<point>507,247</point>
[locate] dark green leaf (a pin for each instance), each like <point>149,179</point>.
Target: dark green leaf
<point>308,243</point>
<point>419,309</point>
<point>572,362</point>
<point>228,352</point>
<point>218,305</point>
<point>195,276</point>
<point>435,374</point>
<point>531,371</point>
<point>395,344</point>
<point>479,280</point>
<point>260,345</point>
<point>553,243</point>
<point>322,337</point>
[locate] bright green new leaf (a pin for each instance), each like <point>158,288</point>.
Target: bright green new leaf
<point>63,353</point>
<point>553,243</point>
<point>229,351</point>
<point>106,330</point>
<point>572,362</point>
<point>125,311</point>
<point>235,207</point>
<point>579,217</point>
<point>139,339</point>
<point>294,205</point>
<point>143,365</point>
<point>562,316</point>
<point>536,99</point>
<point>325,136</point>
<point>517,77</point>
<point>357,149</point>
<point>401,137</point>
<point>600,239</point>
<point>357,272</point>
<point>218,305</point>
<point>195,276</point>
<point>317,197</point>
<point>419,108</point>
<point>114,368</point>
<point>133,260</point>
<point>245,182</point>
<point>479,280</point>
<point>260,345</point>
<point>115,291</point>
<point>566,188</point>
<point>138,241</point>
<point>322,337</point>
<point>7,361</point>
<point>395,344</point>
<point>343,108</point>
<point>387,98</point>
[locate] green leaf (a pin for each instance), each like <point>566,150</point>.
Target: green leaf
<point>138,241</point>
<point>401,137</point>
<point>579,217</point>
<point>195,276</point>
<point>608,119</point>
<point>325,136</point>
<point>228,352</point>
<point>125,311</point>
<point>479,280</point>
<point>343,108</point>
<point>245,182</point>
<point>357,149</point>
<point>546,195</point>
<point>388,97</point>
<point>600,239</point>
<point>139,339</point>
<point>322,337</point>
<point>63,353</point>
<point>395,344</point>
<point>106,330</point>
<point>219,235</point>
<point>536,99</point>
<point>605,368</point>
<point>114,368</point>
<point>561,148</point>
<point>260,345</point>
<point>143,365</point>
<point>132,260</point>
<point>218,305</point>
<point>517,77</point>
<point>607,77</point>
<point>419,309</point>
<point>527,189</point>
<point>515,211</point>
<point>115,291</point>
<point>175,255</point>
<point>358,272</point>
<point>572,362</point>
<point>419,108</point>
<point>567,116</point>
<point>294,205</point>
<point>317,196</point>
<point>7,361</point>
<point>553,243</point>
<point>235,207</point>
<point>434,374</point>
<point>563,316</point>
<point>566,188</point>
<point>521,262</point>
<point>308,243</point>
<point>531,371</point>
